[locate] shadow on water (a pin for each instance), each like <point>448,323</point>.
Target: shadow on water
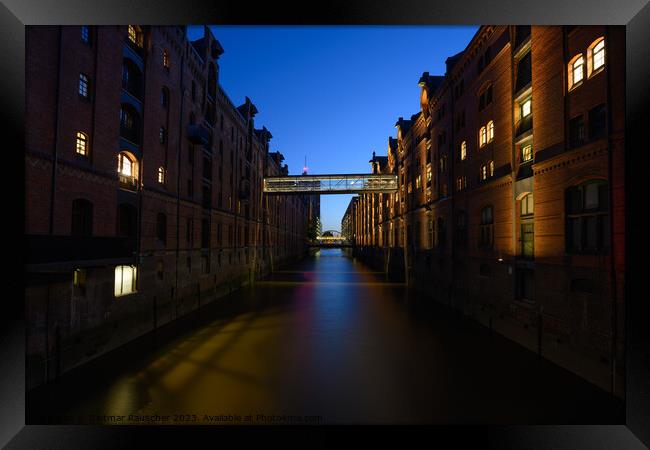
<point>326,336</point>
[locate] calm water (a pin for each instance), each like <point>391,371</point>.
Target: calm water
<point>324,341</point>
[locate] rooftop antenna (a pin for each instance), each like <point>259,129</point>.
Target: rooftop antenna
<point>305,168</point>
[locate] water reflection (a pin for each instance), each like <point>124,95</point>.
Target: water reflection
<point>327,337</point>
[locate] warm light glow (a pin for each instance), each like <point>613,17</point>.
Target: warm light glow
<point>166,59</point>
<point>125,280</point>
<point>576,71</point>
<point>133,34</point>
<point>526,108</point>
<point>527,153</point>
<point>599,54</point>
<point>490,127</point>
<point>161,175</point>
<point>124,165</point>
<point>463,150</point>
<point>82,143</point>
<point>482,136</point>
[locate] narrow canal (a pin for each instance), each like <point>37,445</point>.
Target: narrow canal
<point>323,341</point>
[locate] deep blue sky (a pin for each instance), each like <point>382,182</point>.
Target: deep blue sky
<point>332,93</point>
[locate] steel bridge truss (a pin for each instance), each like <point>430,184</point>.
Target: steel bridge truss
<point>330,184</point>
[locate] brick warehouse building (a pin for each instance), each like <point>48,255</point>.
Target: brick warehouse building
<point>510,205</point>
<point>143,189</point>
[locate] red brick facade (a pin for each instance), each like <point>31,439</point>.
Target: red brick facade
<point>496,232</point>
<point>199,228</point>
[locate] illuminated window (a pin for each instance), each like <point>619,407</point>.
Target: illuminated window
<point>526,108</point>
<point>576,67</point>
<point>429,174</point>
<point>79,282</point>
<point>125,280</point>
<point>483,173</point>
<point>165,59</point>
<point>135,35</point>
<point>595,57</point>
<point>491,168</point>
<point>418,182</point>
<point>598,55</point>
<point>490,131</point>
<point>463,151</point>
<point>527,153</point>
<point>125,165</point>
<point>83,85</point>
<point>82,144</point>
<point>482,137</point>
<point>161,175</point>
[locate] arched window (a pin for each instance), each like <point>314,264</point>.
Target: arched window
<point>131,78</point>
<point>482,139</point>
<point>81,147</point>
<point>486,237</point>
<point>161,228</point>
<point>596,56</point>
<point>165,59</point>
<point>129,123</point>
<point>162,135</point>
<point>127,169</point>
<point>161,175</point>
<point>587,212</point>
<point>463,150</point>
<point>491,168</point>
<point>576,71</point>
<point>135,35</point>
<point>83,85</point>
<point>127,220</point>
<point>164,97</point>
<point>490,131</point>
<point>82,217</point>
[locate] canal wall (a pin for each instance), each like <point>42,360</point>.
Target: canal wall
<point>82,328</point>
<point>483,289</point>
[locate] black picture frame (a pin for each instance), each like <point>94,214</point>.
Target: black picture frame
<point>634,14</point>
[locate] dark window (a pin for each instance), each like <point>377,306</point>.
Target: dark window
<point>485,98</point>
<point>527,240</point>
<point>441,230</point>
<point>597,122</point>
<point>161,228</point>
<point>79,282</point>
<point>587,212</point>
<point>193,90</point>
<point>163,135</point>
<point>131,78</point>
<point>212,81</point>
<point>190,155</point>
<point>576,131</point>
<point>84,85</point>
<point>524,72</point>
<point>160,270</point>
<point>189,231</point>
<point>164,97</point>
<point>127,218</point>
<point>525,284</point>
<point>461,228</point>
<point>190,187</point>
<point>82,217</point>
<point>521,34</point>
<point>129,124</point>
<point>205,233</point>
<point>486,237</point>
